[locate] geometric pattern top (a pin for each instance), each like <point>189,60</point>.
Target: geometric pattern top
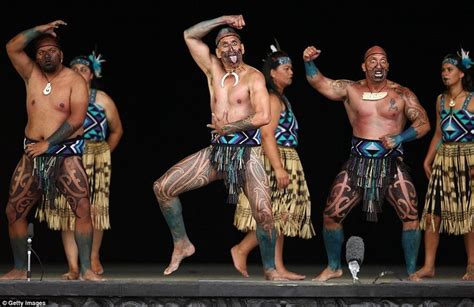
<point>286,133</point>
<point>457,125</point>
<point>95,124</point>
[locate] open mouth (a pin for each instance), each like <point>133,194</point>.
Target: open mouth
<point>378,74</point>
<point>233,58</point>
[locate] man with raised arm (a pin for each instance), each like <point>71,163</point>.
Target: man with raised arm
<point>56,104</point>
<point>239,106</point>
<point>378,110</point>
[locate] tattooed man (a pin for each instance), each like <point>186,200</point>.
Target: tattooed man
<point>56,105</point>
<point>378,110</point>
<point>239,106</point>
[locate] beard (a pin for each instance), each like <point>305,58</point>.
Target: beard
<point>49,65</point>
<point>232,58</point>
<point>378,75</point>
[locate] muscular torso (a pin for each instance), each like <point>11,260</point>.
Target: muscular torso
<point>47,113</point>
<point>374,119</point>
<point>233,99</point>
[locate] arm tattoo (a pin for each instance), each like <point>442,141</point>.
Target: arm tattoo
<point>61,134</point>
<point>417,115</point>
<point>241,125</point>
<point>340,84</point>
<point>311,69</point>
<point>30,35</point>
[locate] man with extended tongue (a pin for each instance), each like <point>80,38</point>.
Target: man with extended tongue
<point>378,110</point>
<point>239,106</point>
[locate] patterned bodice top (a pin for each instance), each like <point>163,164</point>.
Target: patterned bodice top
<point>95,124</point>
<point>457,125</point>
<point>286,133</point>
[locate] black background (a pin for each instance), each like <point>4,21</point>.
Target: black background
<point>163,101</point>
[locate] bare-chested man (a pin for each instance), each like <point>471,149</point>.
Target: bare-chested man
<point>239,105</point>
<point>378,110</point>
<point>56,104</point>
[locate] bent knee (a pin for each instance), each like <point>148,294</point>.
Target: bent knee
<point>161,191</point>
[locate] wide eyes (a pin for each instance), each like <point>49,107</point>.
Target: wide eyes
<point>50,51</point>
<point>373,62</point>
<point>227,45</point>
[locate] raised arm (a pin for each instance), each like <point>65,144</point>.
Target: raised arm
<point>193,37</point>
<point>113,119</point>
<point>331,89</point>
<point>16,47</point>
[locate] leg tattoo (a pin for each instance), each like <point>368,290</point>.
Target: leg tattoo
<point>257,191</point>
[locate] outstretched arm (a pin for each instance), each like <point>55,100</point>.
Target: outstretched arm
<point>332,89</point>
<point>193,38</point>
<point>16,47</point>
<point>416,114</point>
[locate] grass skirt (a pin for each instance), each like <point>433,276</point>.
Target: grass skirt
<point>291,206</point>
<point>450,190</point>
<point>97,163</point>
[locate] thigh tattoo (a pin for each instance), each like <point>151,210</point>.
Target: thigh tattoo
<point>257,190</point>
<point>402,196</point>
<point>72,181</point>
<point>190,173</point>
<point>24,190</point>
<point>344,195</point>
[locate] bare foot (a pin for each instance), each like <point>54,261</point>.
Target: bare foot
<point>469,273</point>
<point>15,274</point>
<point>425,272</point>
<point>414,277</point>
<point>273,275</point>
<point>97,267</point>
<point>290,275</point>
<point>71,275</point>
<point>328,274</point>
<point>180,252</point>
<point>240,260</point>
<point>89,275</point>
<point>468,276</point>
